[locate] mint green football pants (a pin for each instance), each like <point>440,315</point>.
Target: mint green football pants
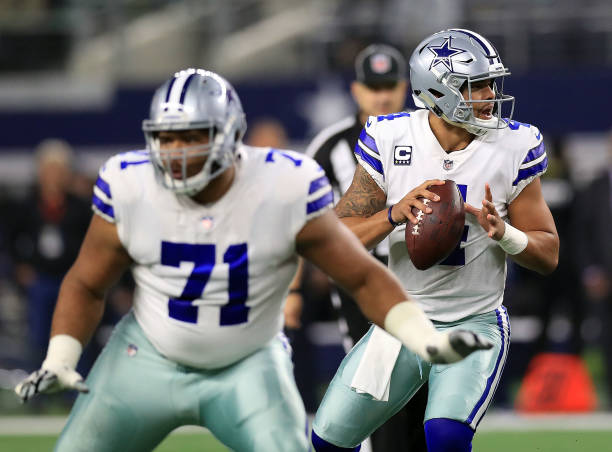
<point>137,397</point>
<point>461,391</point>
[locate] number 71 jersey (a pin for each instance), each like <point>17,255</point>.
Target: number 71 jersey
<point>211,279</point>
<point>401,152</point>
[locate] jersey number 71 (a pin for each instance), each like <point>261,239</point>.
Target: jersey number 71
<point>203,258</point>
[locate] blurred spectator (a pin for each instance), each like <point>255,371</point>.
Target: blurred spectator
<point>593,224</point>
<point>267,132</point>
<point>560,292</point>
<point>46,230</point>
<point>556,295</point>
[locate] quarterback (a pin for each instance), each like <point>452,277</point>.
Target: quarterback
<point>211,230</point>
<point>460,133</point>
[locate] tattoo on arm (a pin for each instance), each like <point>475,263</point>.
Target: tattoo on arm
<point>364,197</point>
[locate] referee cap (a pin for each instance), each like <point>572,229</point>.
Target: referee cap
<point>380,64</point>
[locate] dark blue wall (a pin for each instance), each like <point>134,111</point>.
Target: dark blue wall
<point>557,102</point>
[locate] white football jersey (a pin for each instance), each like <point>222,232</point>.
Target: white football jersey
<point>400,152</point>
<point>211,279</point>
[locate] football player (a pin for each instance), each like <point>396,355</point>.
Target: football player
<point>461,135</point>
<point>211,230</point>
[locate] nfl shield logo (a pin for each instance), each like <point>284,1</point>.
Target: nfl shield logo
<point>380,63</point>
<point>207,223</point>
<point>448,164</point>
<point>132,350</point>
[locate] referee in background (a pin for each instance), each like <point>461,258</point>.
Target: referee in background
<point>379,88</point>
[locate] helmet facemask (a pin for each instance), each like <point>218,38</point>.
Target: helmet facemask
<point>464,114</point>
<point>217,155</point>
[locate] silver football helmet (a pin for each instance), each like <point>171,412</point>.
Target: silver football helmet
<point>194,99</point>
<point>450,60</point>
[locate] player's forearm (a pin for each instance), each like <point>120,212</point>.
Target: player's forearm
<point>541,254</point>
<point>377,293</point>
<point>78,311</point>
<point>371,230</point>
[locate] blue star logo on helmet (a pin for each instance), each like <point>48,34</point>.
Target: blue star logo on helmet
<point>443,54</point>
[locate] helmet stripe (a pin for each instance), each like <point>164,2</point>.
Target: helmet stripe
<point>185,86</point>
<point>175,96</point>
<point>490,51</point>
<point>168,92</point>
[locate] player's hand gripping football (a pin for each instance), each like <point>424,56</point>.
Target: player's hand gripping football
<point>50,378</point>
<point>488,217</point>
<point>455,345</point>
<point>402,211</point>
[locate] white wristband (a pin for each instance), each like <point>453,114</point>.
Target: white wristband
<point>64,350</point>
<point>407,322</point>
<point>513,241</point>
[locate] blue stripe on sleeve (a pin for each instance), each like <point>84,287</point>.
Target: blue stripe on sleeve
<point>374,163</point>
<point>318,204</point>
<point>368,141</point>
<point>535,152</point>
<point>106,209</point>
<point>103,185</point>
<point>317,184</point>
<point>531,171</point>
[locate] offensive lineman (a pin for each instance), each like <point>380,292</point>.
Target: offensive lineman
<point>460,136</point>
<point>211,229</point>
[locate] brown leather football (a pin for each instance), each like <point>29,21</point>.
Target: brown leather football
<point>437,233</point>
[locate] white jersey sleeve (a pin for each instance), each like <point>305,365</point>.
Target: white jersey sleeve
<point>117,188</point>
<point>367,153</point>
<point>377,134</point>
<point>307,182</point>
<point>532,160</point>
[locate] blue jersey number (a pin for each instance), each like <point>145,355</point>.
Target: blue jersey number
<point>203,258</point>
<point>457,256</point>
<point>275,152</point>
<point>392,116</point>
<point>144,158</point>
<point>514,125</point>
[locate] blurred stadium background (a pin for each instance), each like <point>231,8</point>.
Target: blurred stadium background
<point>82,72</point>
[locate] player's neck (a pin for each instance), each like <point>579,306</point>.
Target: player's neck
<point>217,187</point>
<point>450,137</point>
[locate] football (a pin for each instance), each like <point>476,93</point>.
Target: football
<point>437,234</point>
